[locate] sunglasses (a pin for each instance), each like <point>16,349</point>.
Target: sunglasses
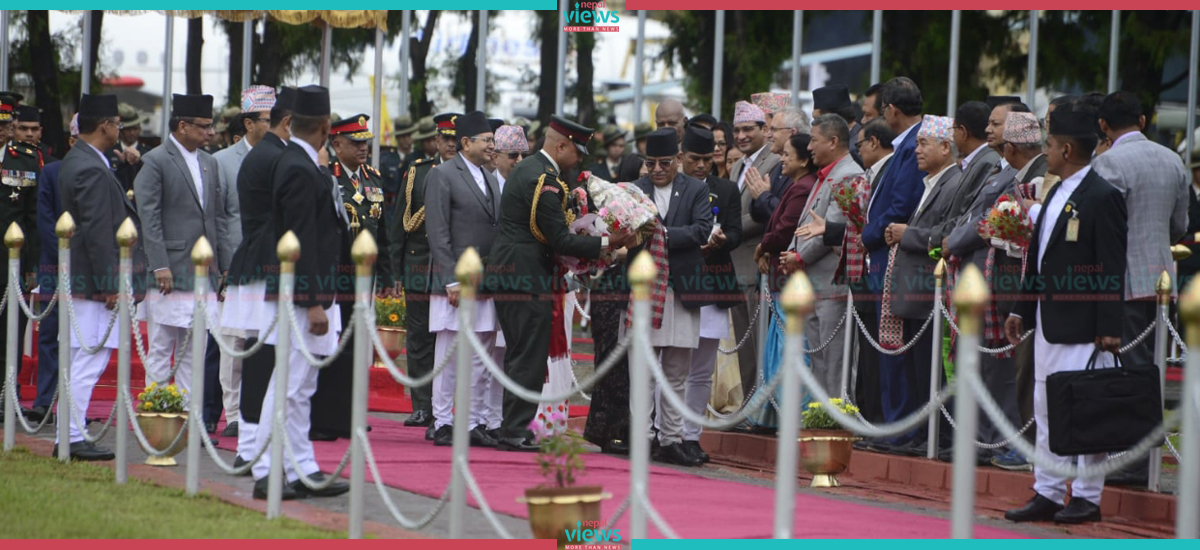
<point>515,156</point>
<point>662,163</point>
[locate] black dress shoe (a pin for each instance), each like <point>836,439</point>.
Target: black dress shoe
<point>615,447</point>
<point>495,433</point>
<point>1078,511</point>
<point>36,414</point>
<point>517,444</point>
<point>1039,508</point>
<point>444,437</point>
<point>314,435</point>
<point>260,491</point>
<point>429,433</point>
<point>674,454</point>
<point>238,463</point>
<point>334,489</point>
<point>82,450</point>
<point>231,430</point>
<point>419,419</point>
<point>693,449</point>
<point>481,438</point>
<point>210,427</point>
<point>1126,478</point>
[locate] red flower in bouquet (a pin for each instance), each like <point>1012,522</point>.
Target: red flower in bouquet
<point>1007,221</point>
<point>851,196</point>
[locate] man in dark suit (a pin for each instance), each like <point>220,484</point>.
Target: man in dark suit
<point>894,200</point>
<point>970,137</point>
<point>521,266</point>
<point>97,202</point>
<point>1083,224</point>
<point>254,263</point>
<point>767,190</point>
<point>720,280</point>
<point>686,214</point>
<point>306,203</point>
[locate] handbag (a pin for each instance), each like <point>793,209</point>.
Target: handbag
<point>1102,410</point>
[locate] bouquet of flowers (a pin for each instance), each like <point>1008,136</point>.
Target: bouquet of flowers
<point>619,207</point>
<point>852,195</point>
<point>1008,225</point>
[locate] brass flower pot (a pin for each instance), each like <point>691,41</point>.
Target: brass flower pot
<point>393,339</point>
<point>554,511</point>
<point>825,454</point>
<point>161,429</point>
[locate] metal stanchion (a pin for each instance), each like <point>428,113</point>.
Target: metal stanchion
<point>939,275</point>
<point>1187,500</point>
<point>469,273</point>
<point>127,236</point>
<point>797,301</point>
<point>641,275</point>
<point>364,253</point>
<point>65,229</point>
<point>1163,288</point>
<point>202,255</point>
<point>14,238</point>
<point>847,343</point>
<point>970,297</point>
<point>288,251</point>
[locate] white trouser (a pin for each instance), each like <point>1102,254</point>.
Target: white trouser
<point>676,362</point>
<point>166,342</point>
<point>1053,486</point>
<point>487,395</point>
<point>302,384</point>
<point>85,372</point>
<point>247,445</point>
<point>231,380</point>
<point>698,388</point>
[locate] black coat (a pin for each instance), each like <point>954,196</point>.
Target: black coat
<point>1093,267</point>
<point>255,257</point>
<point>727,208</point>
<point>688,223</point>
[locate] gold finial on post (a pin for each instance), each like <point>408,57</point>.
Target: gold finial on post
<point>288,251</point>
<point>939,271</point>
<point>797,300</point>
<point>14,239</point>
<point>970,297</point>
<point>1181,251</point>
<point>202,256</point>
<point>364,252</point>
<point>127,236</point>
<point>641,274</point>
<point>1163,288</point>
<point>469,272</point>
<point>65,229</point>
<point>1189,310</point>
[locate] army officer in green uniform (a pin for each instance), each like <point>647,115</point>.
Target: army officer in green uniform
<point>362,188</point>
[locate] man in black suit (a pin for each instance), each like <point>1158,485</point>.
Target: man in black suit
<point>1081,227</point>
<point>719,279</point>
<point>305,202</point>
<point>97,202</point>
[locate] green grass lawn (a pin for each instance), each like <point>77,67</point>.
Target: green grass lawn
<point>43,498</point>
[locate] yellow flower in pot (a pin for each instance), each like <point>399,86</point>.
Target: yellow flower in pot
<point>558,508</point>
<point>825,447</point>
<point>390,315</point>
<point>161,417</point>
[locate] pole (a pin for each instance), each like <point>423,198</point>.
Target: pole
<point>202,255</point>
<point>797,45</point>
<point>847,343</point>
<point>168,70</point>
<point>1114,47</point>
<point>405,36</point>
<point>1031,69</point>
<point>288,251</point>
<point>14,238</point>
<point>4,46</point>
<point>935,367</point>
<point>797,301</point>
<point>468,272</point>
<point>247,46</point>
<point>1187,500</point>
<point>955,45</point>
<point>970,297</point>
<point>718,63</point>
<point>326,47</point>
<point>377,99</point>
<point>1163,288</point>
<point>481,63</point>
<point>641,273</point>
<point>127,237</point>
<point>85,83</point>
<point>639,67</point>
<point>65,229</point>
<point>1192,87</point>
<point>560,81</point>
<point>364,253</point>
<point>876,44</point>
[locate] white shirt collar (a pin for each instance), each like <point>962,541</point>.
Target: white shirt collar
<point>186,153</point>
<point>246,144</point>
<point>932,180</point>
<point>900,138</point>
<point>750,161</point>
<point>555,164</point>
<point>1071,183</point>
<point>1123,138</point>
<point>345,168</point>
<point>476,171</point>
<point>101,153</point>
<point>1003,164</point>
<point>312,153</point>
<point>875,168</point>
<point>1025,169</point>
<point>975,153</point>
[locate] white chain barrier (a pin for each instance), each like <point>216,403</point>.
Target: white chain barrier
<point>10,391</point>
<point>981,444</point>
<point>291,456</point>
<point>14,275</point>
<point>749,330</point>
<point>302,347</point>
<point>898,351</point>
<point>400,518</point>
<point>990,351</point>
<point>725,422</point>
<point>462,466</point>
<point>198,424</point>
<point>229,349</point>
<point>382,354</point>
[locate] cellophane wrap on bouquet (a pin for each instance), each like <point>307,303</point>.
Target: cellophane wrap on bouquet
<point>619,207</point>
<point>851,196</point>
<point>1007,226</point>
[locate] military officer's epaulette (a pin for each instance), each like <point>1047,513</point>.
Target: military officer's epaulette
<point>544,185</point>
<point>421,161</point>
<point>372,170</point>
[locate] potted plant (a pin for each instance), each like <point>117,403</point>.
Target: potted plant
<point>161,417</point>
<point>559,507</point>
<point>390,314</point>
<point>824,446</point>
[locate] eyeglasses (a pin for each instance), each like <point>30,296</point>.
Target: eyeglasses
<point>264,120</point>
<point>488,140</point>
<point>858,144</point>
<point>719,143</point>
<point>116,122</point>
<point>662,163</point>
<point>201,126</point>
<point>778,129</point>
<point>515,156</point>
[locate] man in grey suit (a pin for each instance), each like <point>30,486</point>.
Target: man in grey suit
<point>912,280</point>
<point>750,137</point>
<point>179,200</point>
<point>96,199</point>
<point>462,210</point>
<point>830,149</point>
<point>970,137</point>
<point>257,102</point>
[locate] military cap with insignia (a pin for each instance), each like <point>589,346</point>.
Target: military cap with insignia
<point>612,133</point>
<point>831,98</point>
<point>446,124</point>
<point>8,105</point>
<point>426,128</point>
<point>403,126</point>
<point>578,134</point>
<point>353,128</point>
<point>994,101</point>
<point>642,130</point>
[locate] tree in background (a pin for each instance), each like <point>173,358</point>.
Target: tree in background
<point>418,54</point>
<point>195,47</point>
<point>547,37</point>
<point>55,79</point>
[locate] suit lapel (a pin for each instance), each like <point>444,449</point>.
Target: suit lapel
<point>1060,224</point>
<point>467,178</point>
<point>677,186</point>
<point>177,158</point>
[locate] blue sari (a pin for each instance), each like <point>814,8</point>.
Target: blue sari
<point>768,417</point>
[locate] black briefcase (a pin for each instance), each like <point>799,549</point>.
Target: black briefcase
<point>1102,410</point>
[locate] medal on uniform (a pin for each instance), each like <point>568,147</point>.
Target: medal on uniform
<point>376,211</point>
<point>358,197</point>
<point>1073,229</point>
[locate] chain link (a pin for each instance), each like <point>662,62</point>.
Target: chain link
<point>1183,349</point>
<point>347,332</point>
<point>112,414</point>
<point>1171,447</point>
<point>990,351</point>
<point>749,330</point>
<point>228,348</point>
<point>291,455</point>
<point>391,367</point>
<point>112,322</point>
<point>10,390</point>
<point>779,319</point>
<point>14,277</point>
<point>981,444</point>
<point>197,424</point>
<point>400,518</point>
<point>524,393</point>
<point>898,351</point>
<point>483,503</point>
<point>1139,339</point>
<point>143,349</point>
